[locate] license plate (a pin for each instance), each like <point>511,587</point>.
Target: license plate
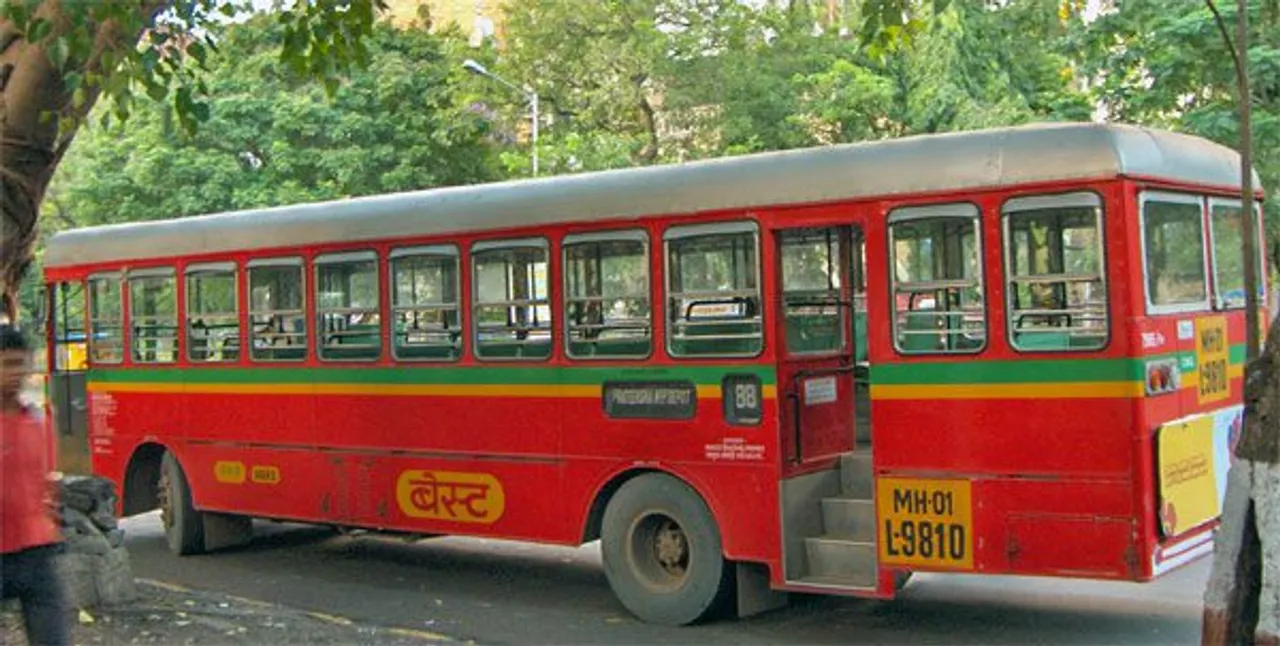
<point>925,522</point>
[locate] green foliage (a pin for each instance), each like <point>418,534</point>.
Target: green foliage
<point>271,138</point>
<point>1168,66</point>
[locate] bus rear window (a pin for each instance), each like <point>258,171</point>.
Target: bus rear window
<point>512,312</point>
<point>713,290</point>
<point>937,279</point>
<point>1228,255</point>
<point>1057,290</point>
<point>607,309</point>
<point>1173,253</point>
<point>153,316</point>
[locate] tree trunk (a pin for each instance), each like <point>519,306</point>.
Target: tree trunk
<point>38,121</point>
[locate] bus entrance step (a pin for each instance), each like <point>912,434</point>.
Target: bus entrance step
<point>855,475</point>
<point>849,519</point>
<point>853,563</point>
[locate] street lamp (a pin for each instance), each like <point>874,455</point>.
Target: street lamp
<point>528,94</point>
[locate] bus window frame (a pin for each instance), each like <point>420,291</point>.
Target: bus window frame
<point>156,272</point>
<point>227,266</point>
<point>122,322</point>
<point>959,210</point>
<point>615,235</point>
<point>479,248</point>
<point>447,250</point>
<point>845,307</point>
<point>1172,197</point>
<point>278,261</point>
<point>723,227</point>
<point>346,257</point>
<point>56,304</point>
<point>1219,303</point>
<point>1031,202</point>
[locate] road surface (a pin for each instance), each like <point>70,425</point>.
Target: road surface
<point>498,592</point>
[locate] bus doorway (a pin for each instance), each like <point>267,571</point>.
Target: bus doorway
<point>817,367</point>
<point>68,399</point>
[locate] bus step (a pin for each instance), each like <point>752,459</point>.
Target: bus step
<point>848,519</point>
<point>856,475</point>
<point>851,563</point>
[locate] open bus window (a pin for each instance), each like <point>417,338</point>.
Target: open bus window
<point>350,323</point>
<point>153,316</point>
<point>937,279</point>
<point>213,320</point>
<point>1226,231</point>
<point>811,292</point>
<point>512,314</point>
<point>277,322</point>
<point>1173,251</point>
<point>424,304</point>
<point>607,309</point>
<point>71,344</point>
<point>106,319</point>
<point>1057,287</point>
<point>713,290</point>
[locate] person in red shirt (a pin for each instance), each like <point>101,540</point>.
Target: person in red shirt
<point>29,540</point>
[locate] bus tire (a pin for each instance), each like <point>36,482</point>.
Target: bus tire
<point>183,525</point>
<point>662,552</point>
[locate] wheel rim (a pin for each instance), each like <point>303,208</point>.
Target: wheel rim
<point>659,551</point>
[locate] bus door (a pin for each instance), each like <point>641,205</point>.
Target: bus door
<point>817,367</point>
<point>68,400</point>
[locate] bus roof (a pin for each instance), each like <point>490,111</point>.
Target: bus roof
<point>923,164</point>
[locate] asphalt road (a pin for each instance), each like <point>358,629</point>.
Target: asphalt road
<point>498,592</point>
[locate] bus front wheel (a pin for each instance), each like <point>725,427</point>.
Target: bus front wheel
<point>183,526</point>
<point>662,553</point>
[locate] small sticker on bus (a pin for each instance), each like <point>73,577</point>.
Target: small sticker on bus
<point>229,472</point>
<point>1186,330</point>
<point>819,390</point>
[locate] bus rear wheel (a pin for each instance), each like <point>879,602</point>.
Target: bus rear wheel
<point>183,525</point>
<point>662,552</point>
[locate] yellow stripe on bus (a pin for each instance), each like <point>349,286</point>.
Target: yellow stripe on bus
<point>387,390</point>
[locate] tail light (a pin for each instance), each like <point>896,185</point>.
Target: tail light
<point>1163,377</point>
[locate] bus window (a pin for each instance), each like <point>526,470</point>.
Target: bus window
<point>153,315</point>
<point>606,284</point>
<point>213,320</point>
<point>349,317</point>
<point>424,304</point>
<point>1228,255</point>
<point>69,335</point>
<point>511,311</point>
<point>937,279</point>
<point>277,320</point>
<point>811,303</point>
<point>1054,258</point>
<point>713,290</point>
<point>1173,252</point>
<point>106,319</point>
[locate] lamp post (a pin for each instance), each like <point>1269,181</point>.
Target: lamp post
<point>529,95</point>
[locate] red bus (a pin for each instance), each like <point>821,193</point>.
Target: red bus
<point>1013,351</point>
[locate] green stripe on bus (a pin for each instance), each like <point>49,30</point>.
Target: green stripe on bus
<point>458,375</point>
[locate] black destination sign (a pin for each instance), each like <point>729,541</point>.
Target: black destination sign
<point>650,399</point>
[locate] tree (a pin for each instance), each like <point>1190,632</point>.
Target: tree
<point>57,57</point>
<point>397,124</point>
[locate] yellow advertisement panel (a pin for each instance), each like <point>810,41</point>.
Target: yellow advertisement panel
<point>1213,355</point>
<point>1188,475</point>
<point>925,522</point>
